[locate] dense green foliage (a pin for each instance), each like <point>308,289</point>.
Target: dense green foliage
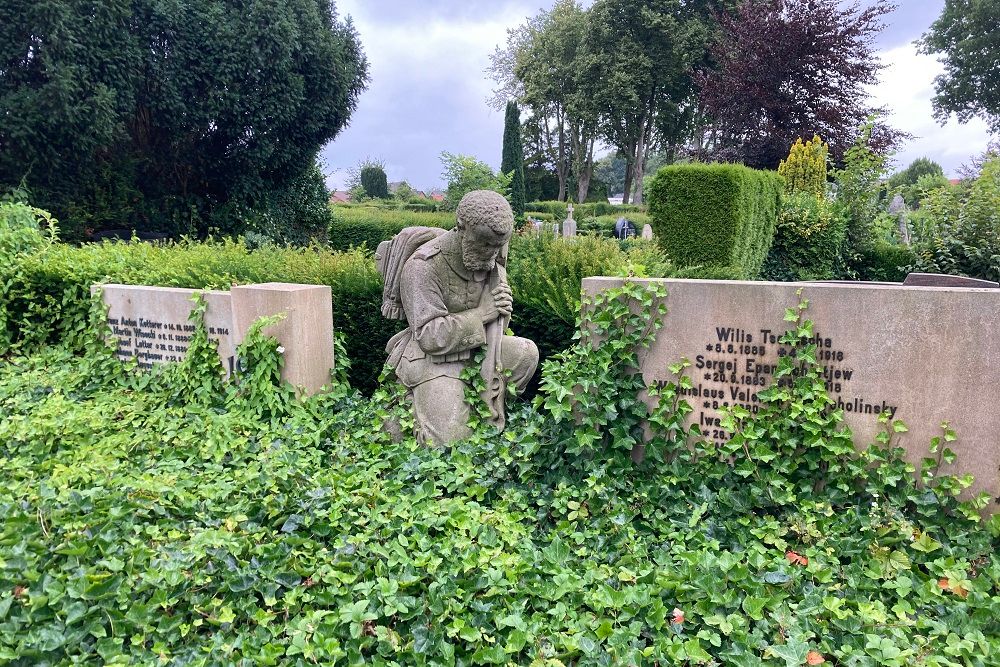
<point>958,229</point>
<point>580,211</point>
<point>44,286</point>
<point>374,182</point>
<point>179,117</point>
<point>512,158</point>
<point>353,226</point>
<point>464,173</point>
<point>860,191</point>
<point>885,262</point>
<point>916,181</point>
<point>808,239</point>
<point>715,214</point>
<point>967,40</point>
<point>604,225</point>
<point>297,215</point>
<point>168,518</point>
<point>809,235</point>
<point>23,229</point>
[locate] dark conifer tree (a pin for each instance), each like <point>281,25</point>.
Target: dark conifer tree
<point>513,158</point>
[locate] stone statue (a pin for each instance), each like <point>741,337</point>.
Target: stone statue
<point>451,288</point>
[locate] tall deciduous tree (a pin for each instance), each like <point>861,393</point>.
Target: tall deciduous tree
<point>788,69</point>
<point>185,109</point>
<point>647,49</point>
<point>512,158</point>
<point>968,41</point>
<point>540,66</point>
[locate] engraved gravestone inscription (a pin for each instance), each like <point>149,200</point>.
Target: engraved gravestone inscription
<point>924,355</point>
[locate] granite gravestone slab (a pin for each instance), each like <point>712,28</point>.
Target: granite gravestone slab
<point>152,325</point>
<point>925,355</point>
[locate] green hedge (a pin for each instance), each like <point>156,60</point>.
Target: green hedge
<point>715,214</point>
<point>354,226</point>
<point>558,209</point>
<point>44,293</point>
<point>604,225</point>
<point>808,240</point>
<point>885,262</point>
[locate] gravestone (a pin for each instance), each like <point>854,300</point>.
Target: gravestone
<point>898,208</point>
<point>647,232</point>
<point>624,229</point>
<point>152,325</point>
<point>569,224</point>
<point>925,355</point>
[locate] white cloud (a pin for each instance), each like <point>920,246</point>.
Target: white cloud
<point>427,94</point>
<point>906,89</point>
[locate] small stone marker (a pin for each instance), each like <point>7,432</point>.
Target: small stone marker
<point>925,355</point>
<point>647,232</point>
<point>152,325</point>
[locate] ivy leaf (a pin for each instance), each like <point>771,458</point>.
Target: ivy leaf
<point>556,552</point>
<point>793,653</point>
<point>925,543</point>
<point>753,606</point>
<point>291,523</point>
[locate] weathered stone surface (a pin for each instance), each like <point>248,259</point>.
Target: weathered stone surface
<point>925,354</point>
<point>647,232</point>
<point>305,332</point>
<point>569,228</point>
<point>452,290</point>
<point>941,280</point>
<point>153,324</point>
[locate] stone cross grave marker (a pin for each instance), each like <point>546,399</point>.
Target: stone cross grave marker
<point>152,325</point>
<point>569,224</point>
<point>925,355</point>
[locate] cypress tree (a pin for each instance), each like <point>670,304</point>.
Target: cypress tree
<point>374,181</point>
<point>513,158</point>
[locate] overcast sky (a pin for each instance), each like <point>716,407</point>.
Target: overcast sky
<point>428,87</point>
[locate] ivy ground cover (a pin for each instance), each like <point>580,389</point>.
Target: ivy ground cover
<point>171,519</point>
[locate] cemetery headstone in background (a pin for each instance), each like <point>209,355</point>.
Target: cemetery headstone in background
<point>925,355</point>
<point>569,224</point>
<point>152,324</point>
<point>647,232</point>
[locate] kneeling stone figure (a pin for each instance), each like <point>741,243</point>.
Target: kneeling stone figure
<point>451,288</point>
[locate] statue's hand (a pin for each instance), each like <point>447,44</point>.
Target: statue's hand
<point>503,299</point>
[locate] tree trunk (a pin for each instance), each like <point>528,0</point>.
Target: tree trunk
<point>629,174</point>
<point>641,153</point>
<point>585,173</point>
<point>640,168</point>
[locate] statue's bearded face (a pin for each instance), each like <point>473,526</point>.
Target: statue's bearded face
<point>481,246</point>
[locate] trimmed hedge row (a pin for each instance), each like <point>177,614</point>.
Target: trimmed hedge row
<point>557,209</point>
<point>886,262</point>
<point>715,214</point>
<point>352,227</point>
<point>45,294</point>
<point>604,225</point>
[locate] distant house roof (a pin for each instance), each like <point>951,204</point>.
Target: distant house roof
<point>437,196</point>
<point>954,181</point>
<point>340,196</point>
